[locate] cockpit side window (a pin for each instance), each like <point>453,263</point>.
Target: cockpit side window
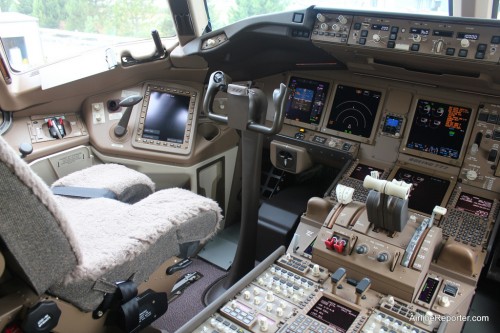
<point>36,32</point>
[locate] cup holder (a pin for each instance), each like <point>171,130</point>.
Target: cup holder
<point>208,131</point>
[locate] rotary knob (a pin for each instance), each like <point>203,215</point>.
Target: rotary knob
<point>471,175</point>
<point>361,249</point>
<point>342,19</point>
<point>444,301</point>
<point>382,257</point>
<point>210,42</point>
<point>321,18</point>
<point>324,26</point>
<point>464,43</point>
<point>376,38</point>
<point>336,27</point>
<point>417,38</point>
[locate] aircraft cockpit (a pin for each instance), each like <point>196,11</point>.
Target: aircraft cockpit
<point>193,166</point>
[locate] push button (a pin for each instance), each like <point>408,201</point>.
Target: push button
<point>450,51</point>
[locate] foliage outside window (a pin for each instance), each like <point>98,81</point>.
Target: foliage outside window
<point>35,32</point>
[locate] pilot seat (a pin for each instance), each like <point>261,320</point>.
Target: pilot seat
<point>73,264</point>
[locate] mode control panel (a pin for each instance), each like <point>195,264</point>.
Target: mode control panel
<point>453,40</point>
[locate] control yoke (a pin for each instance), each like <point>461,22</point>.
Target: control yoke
<point>247,109</point>
<point>257,104</point>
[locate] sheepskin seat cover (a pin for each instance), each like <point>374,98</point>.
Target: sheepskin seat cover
<point>77,249</point>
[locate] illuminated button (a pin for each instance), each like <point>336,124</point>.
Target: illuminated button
<point>496,135</point>
<point>393,36</point>
<point>462,53</point>
<point>415,47</point>
<point>492,118</point>
<point>394,30</point>
<point>391,44</point>
<point>482,47</point>
<point>364,33</point>
<point>479,55</point>
<point>362,41</point>
<point>492,156</point>
<point>450,51</point>
<point>357,26</point>
<point>495,40</point>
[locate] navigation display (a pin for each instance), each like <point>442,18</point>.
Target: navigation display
<point>363,170</point>
<point>354,111</point>
<point>439,128</point>
<point>426,192</point>
<point>307,100</point>
<point>474,204</point>
<point>333,314</point>
<point>166,117</point>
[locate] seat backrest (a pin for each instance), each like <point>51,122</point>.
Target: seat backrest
<point>36,245</point>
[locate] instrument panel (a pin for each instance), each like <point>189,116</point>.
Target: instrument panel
<point>447,40</point>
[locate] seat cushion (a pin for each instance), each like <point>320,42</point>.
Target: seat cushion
<point>129,185</point>
<point>119,241</point>
<point>34,234</point>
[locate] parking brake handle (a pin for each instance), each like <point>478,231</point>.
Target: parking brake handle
<point>221,82</point>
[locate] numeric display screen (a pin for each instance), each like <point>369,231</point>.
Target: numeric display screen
<point>307,100</point>
<point>439,129</point>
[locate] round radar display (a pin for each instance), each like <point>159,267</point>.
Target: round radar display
<point>354,111</point>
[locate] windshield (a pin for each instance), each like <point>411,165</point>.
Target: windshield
<point>36,32</point>
<point>223,13</point>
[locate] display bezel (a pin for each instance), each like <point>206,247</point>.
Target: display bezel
<point>430,156</point>
<point>376,120</point>
<point>183,148</point>
<point>325,107</point>
<point>335,299</point>
<point>447,194</point>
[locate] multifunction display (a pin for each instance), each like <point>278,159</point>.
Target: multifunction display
<point>166,117</point>
<point>474,204</point>
<point>426,192</point>
<point>354,111</point>
<point>439,128</point>
<point>307,100</point>
<point>333,314</point>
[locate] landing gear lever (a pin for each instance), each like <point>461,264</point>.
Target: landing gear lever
<point>247,109</point>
